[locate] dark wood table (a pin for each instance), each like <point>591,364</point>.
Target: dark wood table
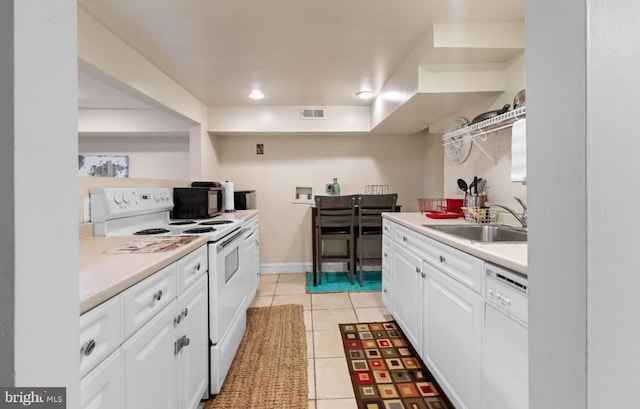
<point>314,214</point>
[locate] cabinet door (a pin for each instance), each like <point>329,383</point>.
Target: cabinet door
<point>103,387</point>
<point>505,380</point>
<point>151,380</point>
<point>406,294</point>
<point>452,337</point>
<point>193,365</point>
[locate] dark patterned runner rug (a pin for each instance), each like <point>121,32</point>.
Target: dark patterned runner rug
<point>386,372</point>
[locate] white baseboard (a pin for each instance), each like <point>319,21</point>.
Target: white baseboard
<point>300,267</point>
<point>303,267</point>
<point>285,268</point>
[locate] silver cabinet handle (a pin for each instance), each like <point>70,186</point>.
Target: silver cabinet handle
<point>385,255</point>
<point>442,259</point>
<point>197,268</point>
<point>404,238</point>
<point>157,296</point>
<point>423,274</point>
<point>185,312</point>
<point>504,299</point>
<point>418,270</point>
<point>177,320</point>
<point>179,344</point>
<point>88,348</point>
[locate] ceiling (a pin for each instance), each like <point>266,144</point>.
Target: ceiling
<point>298,52</point>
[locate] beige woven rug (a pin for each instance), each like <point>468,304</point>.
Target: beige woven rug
<point>270,367</point>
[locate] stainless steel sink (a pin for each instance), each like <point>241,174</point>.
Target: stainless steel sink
<point>485,233</point>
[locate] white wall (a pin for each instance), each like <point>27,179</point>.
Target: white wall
<point>39,292</point>
<point>312,161</point>
<point>613,148</point>
<point>584,337</point>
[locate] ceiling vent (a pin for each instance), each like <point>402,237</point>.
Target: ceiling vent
<point>313,113</point>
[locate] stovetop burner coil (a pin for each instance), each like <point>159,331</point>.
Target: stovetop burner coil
<point>200,230</point>
<point>147,232</point>
<point>182,223</point>
<point>215,222</point>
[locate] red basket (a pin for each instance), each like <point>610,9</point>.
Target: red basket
<point>455,205</point>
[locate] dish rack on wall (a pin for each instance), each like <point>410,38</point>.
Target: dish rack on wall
<point>482,129</point>
<point>480,215</point>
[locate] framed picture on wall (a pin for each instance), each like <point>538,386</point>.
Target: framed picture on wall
<point>112,166</point>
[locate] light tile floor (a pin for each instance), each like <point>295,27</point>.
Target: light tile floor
<point>329,382</point>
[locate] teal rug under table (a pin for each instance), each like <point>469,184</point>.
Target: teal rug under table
<point>339,282</point>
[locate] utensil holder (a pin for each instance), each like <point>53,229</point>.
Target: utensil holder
<point>480,215</point>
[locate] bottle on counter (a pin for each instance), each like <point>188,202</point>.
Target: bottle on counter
<point>335,187</point>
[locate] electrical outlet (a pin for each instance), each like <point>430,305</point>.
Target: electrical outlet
<point>327,187</point>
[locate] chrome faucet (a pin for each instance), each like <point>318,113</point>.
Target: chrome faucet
<point>520,218</point>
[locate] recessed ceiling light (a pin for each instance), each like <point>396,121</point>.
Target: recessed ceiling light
<point>364,94</point>
<point>255,94</point>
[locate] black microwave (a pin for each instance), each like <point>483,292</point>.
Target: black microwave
<point>197,202</point>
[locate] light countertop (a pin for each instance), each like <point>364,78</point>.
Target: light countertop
<point>512,256</point>
<point>108,266</point>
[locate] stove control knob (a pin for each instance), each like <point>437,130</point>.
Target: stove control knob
<point>127,197</point>
<point>117,197</point>
<point>157,196</point>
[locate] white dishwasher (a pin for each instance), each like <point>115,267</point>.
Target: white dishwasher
<point>505,384</point>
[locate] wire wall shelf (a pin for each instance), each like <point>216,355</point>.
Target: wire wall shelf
<point>483,128</point>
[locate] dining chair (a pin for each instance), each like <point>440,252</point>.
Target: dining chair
<point>370,208</point>
<point>335,222</point>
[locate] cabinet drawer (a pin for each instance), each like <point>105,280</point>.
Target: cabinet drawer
<point>387,228</point>
<point>191,267</point>
<point>507,292</point>
<point>386,292</point>
<point>145,299</point>
<point>386,255</point>
<point>411,240</point>
<point>457,264</point>
<point>100,333</point>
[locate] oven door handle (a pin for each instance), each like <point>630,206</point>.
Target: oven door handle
<point>228,241</point>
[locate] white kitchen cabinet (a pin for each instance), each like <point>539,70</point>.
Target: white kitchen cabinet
<point>167,358</point>
<point>151,375</point>
<point>103,387</point>
<point>159,337</point>
<point>387,268</point>
<point>452,337</point>
<point>193,368</point>
<point>407,294</point>
<point>467,321</point>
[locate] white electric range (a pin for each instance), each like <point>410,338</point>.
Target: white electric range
<point>146,212</point>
